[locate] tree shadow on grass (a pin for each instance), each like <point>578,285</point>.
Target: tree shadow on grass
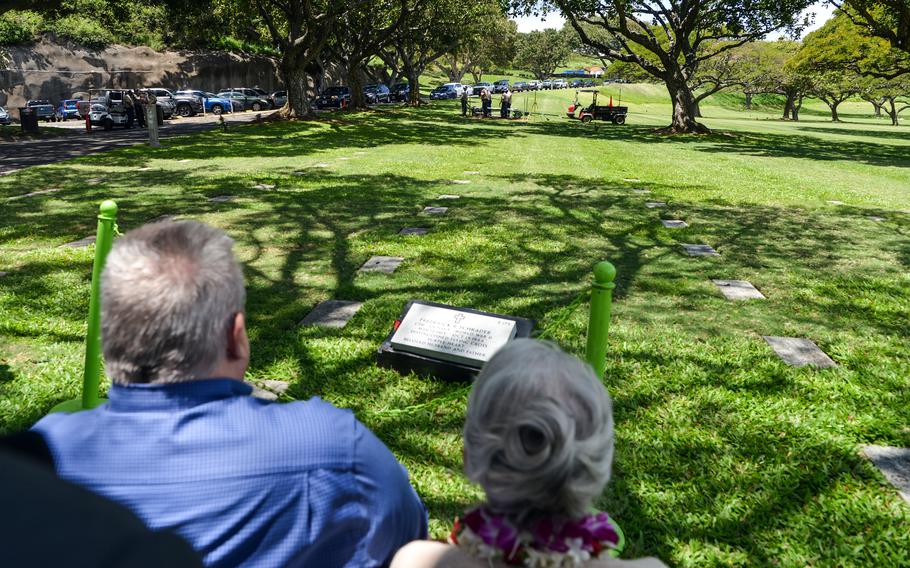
<point>303,242</point>
<point>879,134</point>
<point>748,143</point>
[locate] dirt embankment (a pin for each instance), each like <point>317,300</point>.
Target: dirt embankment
<point>51,70</point>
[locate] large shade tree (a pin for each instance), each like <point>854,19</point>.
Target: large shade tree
<point>887,19</point>
<point>675,34</point>
<point>299,30</point>
<point>432,29</point>
<point>362,32</point>
<point>541,52</point>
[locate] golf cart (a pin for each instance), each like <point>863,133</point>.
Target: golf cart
<point>615,114</point>
<point>105,108</point>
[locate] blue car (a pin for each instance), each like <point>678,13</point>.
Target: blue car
<point>212,103</point>
<point>67,109</point>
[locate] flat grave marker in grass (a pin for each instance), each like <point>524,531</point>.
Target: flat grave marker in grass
<point>84,242</point>
<point>700,250</point>
<point>222,198</point>
<point>343,158</point>
<point>641,191</point>
<point>385,264</point>
<point>184,161</point>
<point>876,218</point>
<point>34,193</point>
<point>655,204</point>
<point>261,393</point>
<point>836,202</point>
<point>738,290</point>
<point>264,186</point>
<point>143,169</point>
<point>447,342</point>
<point>279,387</point>
<point>448,196</point>
<point>471,173</point>
<point>894,463</point>
<point>332,313</point>
<point>435,210</point>
<point>415,231</point>
<point>460,181</point>
<point>631,180</point>
<point>674,223</point>
<point>95,181</point>
<point>799,352</point>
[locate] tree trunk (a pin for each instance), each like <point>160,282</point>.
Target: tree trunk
<point>685,109</point>
<point>697,105</point>
<point>892,111</point>
<point>877,105</point>
<point>477,74</point>
<point>293,70</point>
<point>413,74</point>
<point>833,106</point>
<point>797,106</point>
<point>789,105</point>
<point>748,101</point>
<point>355,83</point>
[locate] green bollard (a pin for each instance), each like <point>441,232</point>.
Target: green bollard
<point>599,321</point>
<point>91,377</point>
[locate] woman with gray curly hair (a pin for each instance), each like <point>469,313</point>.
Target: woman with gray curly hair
<point>539,439</point>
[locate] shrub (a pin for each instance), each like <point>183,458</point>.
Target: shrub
<point>19,26</point>
<point>83,31</point>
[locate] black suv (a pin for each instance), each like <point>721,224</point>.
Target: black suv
<point>334,97</point>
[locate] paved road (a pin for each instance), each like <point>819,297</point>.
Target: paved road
<point>17,155</point>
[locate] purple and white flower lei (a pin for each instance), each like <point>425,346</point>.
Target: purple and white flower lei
<point>546,544</point>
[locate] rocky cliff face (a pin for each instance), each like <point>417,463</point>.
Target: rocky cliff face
<point>51,70</point>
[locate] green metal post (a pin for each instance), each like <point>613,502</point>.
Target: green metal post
<point>599,321</point>
<point>91,376</point>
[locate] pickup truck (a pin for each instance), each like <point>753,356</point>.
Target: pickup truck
<point>44,110</point>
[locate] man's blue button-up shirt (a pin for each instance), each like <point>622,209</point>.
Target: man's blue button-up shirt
<point>246,482</point>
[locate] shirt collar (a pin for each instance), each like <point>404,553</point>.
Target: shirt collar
<point>127,398</point>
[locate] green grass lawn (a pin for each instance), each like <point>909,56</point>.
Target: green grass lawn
<point>725,456</point>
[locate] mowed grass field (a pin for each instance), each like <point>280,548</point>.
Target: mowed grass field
<point>725,456</point>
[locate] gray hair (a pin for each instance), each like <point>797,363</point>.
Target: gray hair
<point>169,294</point>
<point>539,432</point>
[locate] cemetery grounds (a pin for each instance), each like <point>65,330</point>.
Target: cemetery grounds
<point>725,455</point>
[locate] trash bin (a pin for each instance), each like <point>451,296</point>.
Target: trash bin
<point>160,113</point>
<point>28,118</point>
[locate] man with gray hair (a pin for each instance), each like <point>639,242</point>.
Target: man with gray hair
<point>184,445</point>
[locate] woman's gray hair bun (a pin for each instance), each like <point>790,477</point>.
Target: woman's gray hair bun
<point>539,432</point>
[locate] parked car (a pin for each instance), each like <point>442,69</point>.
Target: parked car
<point>212,103</point>
<point>164,99</point>
<point>44,110</point>
<point>447,91</point>
<point>520,86</point>
<point>249,99</point>
<point>67,109</point>
<point>401,92</point>
<point>500,86</point>
<point>533,85</point>
<point>377,94</point>
<point>279,98</point>
<point>334,97</point>
<point>4,117</point>
<point>546,85</point>
<point>559,84</point>
<point>475,90</point>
